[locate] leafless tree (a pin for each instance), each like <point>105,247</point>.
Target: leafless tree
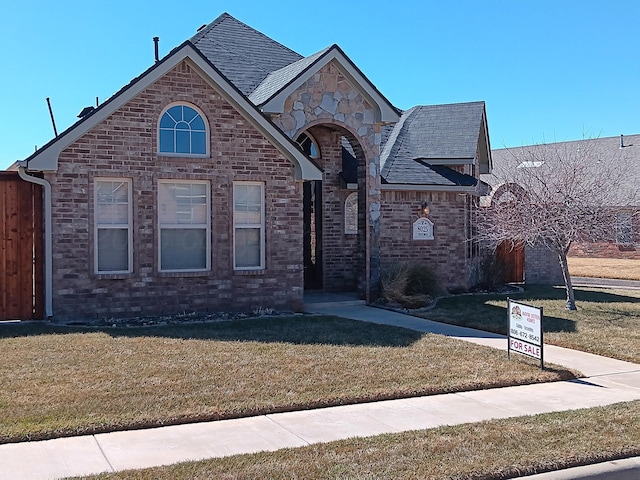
<point>556,194</point>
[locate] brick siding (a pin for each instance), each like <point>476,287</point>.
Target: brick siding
<point>605,250</point>
<point>541,266</point>
<point>446,254</point>
<point>125,145</point>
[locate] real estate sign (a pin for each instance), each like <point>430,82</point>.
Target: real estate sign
<point>525,330</point>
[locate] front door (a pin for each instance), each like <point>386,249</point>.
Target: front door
<point>312,233</point>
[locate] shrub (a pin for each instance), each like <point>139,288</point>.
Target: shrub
<point>488,273</point>
<point>412,286</point>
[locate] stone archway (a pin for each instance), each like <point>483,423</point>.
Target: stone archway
<point>335,256</point>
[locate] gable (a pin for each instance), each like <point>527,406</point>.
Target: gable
<point>429,138</point>
<point>273,92</point>
<point>46,158</point>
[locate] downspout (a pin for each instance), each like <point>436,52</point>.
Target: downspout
<point>48,271</point>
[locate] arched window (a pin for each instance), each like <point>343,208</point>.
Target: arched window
<point>351,214</point>
<point>182,130</point>
<point>308,145</point>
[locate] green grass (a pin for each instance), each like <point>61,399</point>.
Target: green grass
<point>606,323</point>
<point>63,381</point>
<point>489,450</point>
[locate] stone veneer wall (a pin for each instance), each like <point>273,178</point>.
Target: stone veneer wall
<point>125,145</point>
<point>328,99</point>
<point>446,254</point>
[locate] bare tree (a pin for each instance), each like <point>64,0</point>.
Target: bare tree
<point>557,194</point>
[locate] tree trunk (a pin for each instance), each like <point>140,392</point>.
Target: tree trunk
<point>571,298</point>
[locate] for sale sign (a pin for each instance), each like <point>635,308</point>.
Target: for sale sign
<point>525,330</point>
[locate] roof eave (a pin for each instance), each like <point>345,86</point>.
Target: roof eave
<point>447,161</point>
<point>485,160</point>
<point>430,188</point>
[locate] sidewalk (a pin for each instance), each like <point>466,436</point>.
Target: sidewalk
<point>608,381</point>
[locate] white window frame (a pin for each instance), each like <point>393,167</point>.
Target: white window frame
<point>105,226</point>
<point>347,227</point>
<point>206,225</point>
<point>260,225</point>
<point>206,132</point>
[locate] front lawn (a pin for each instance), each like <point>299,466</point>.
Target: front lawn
<point>68,380</point>
<point>626,269</point>
<point>606,323</point>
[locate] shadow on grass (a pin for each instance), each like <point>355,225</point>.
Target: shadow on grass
<point>492,318</point>
<point>311,330</point>
<point>473,310</point>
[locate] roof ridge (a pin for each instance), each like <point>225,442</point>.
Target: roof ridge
<point>475,102</point>
<point>226,16</point>
<point>203,30</point>
<point>565,142</point>
<point>392,144</point>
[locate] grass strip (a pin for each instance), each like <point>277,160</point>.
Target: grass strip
<point>495,449</point>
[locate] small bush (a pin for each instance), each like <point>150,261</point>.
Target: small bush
<point>488,273</point>
<point>412,286</point>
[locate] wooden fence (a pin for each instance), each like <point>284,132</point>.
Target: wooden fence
<point>21,249</point>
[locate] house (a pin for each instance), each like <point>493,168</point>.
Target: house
<point>611,161</point>
<point>235,173</point>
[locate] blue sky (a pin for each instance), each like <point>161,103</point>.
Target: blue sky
<point>548,70</point>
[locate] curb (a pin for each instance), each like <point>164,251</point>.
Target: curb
<point>624,469</point>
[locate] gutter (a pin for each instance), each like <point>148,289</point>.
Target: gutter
<point>48,270</point>
<point>429,188</point>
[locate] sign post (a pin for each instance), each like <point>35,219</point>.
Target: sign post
<point>525,333</point>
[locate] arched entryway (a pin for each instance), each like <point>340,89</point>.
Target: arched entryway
<point>334,210</point>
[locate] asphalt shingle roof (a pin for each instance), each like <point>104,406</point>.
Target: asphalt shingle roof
<point>278,79</point>
<point>428,134</point>
<point>607,148</point>
<point>244,55</point>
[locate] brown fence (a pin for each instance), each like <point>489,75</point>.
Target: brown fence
<point>21,249</point>
<point>512,258</point>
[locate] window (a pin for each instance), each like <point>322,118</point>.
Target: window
<point>308,145</point>
<point>248,225</point>
<point>113,230</point>
<point>182,130</point>
<point>184,220</point>
<point>624,229</point>
<point>351,214</point>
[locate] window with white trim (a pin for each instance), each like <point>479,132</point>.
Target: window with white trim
<point>182,130</point>
<point>248,225</point>
<point>351,214</point>
<point>113,233</point>
<point>184,220</point>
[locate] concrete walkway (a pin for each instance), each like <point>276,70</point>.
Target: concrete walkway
<point>608,381</point>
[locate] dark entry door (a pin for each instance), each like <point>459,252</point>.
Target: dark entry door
<point>21,249</point>
<point>312,224</point>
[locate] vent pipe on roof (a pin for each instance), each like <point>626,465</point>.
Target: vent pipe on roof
<point>53,122</point>
<point>155,47</point>
<point>621,141</point>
